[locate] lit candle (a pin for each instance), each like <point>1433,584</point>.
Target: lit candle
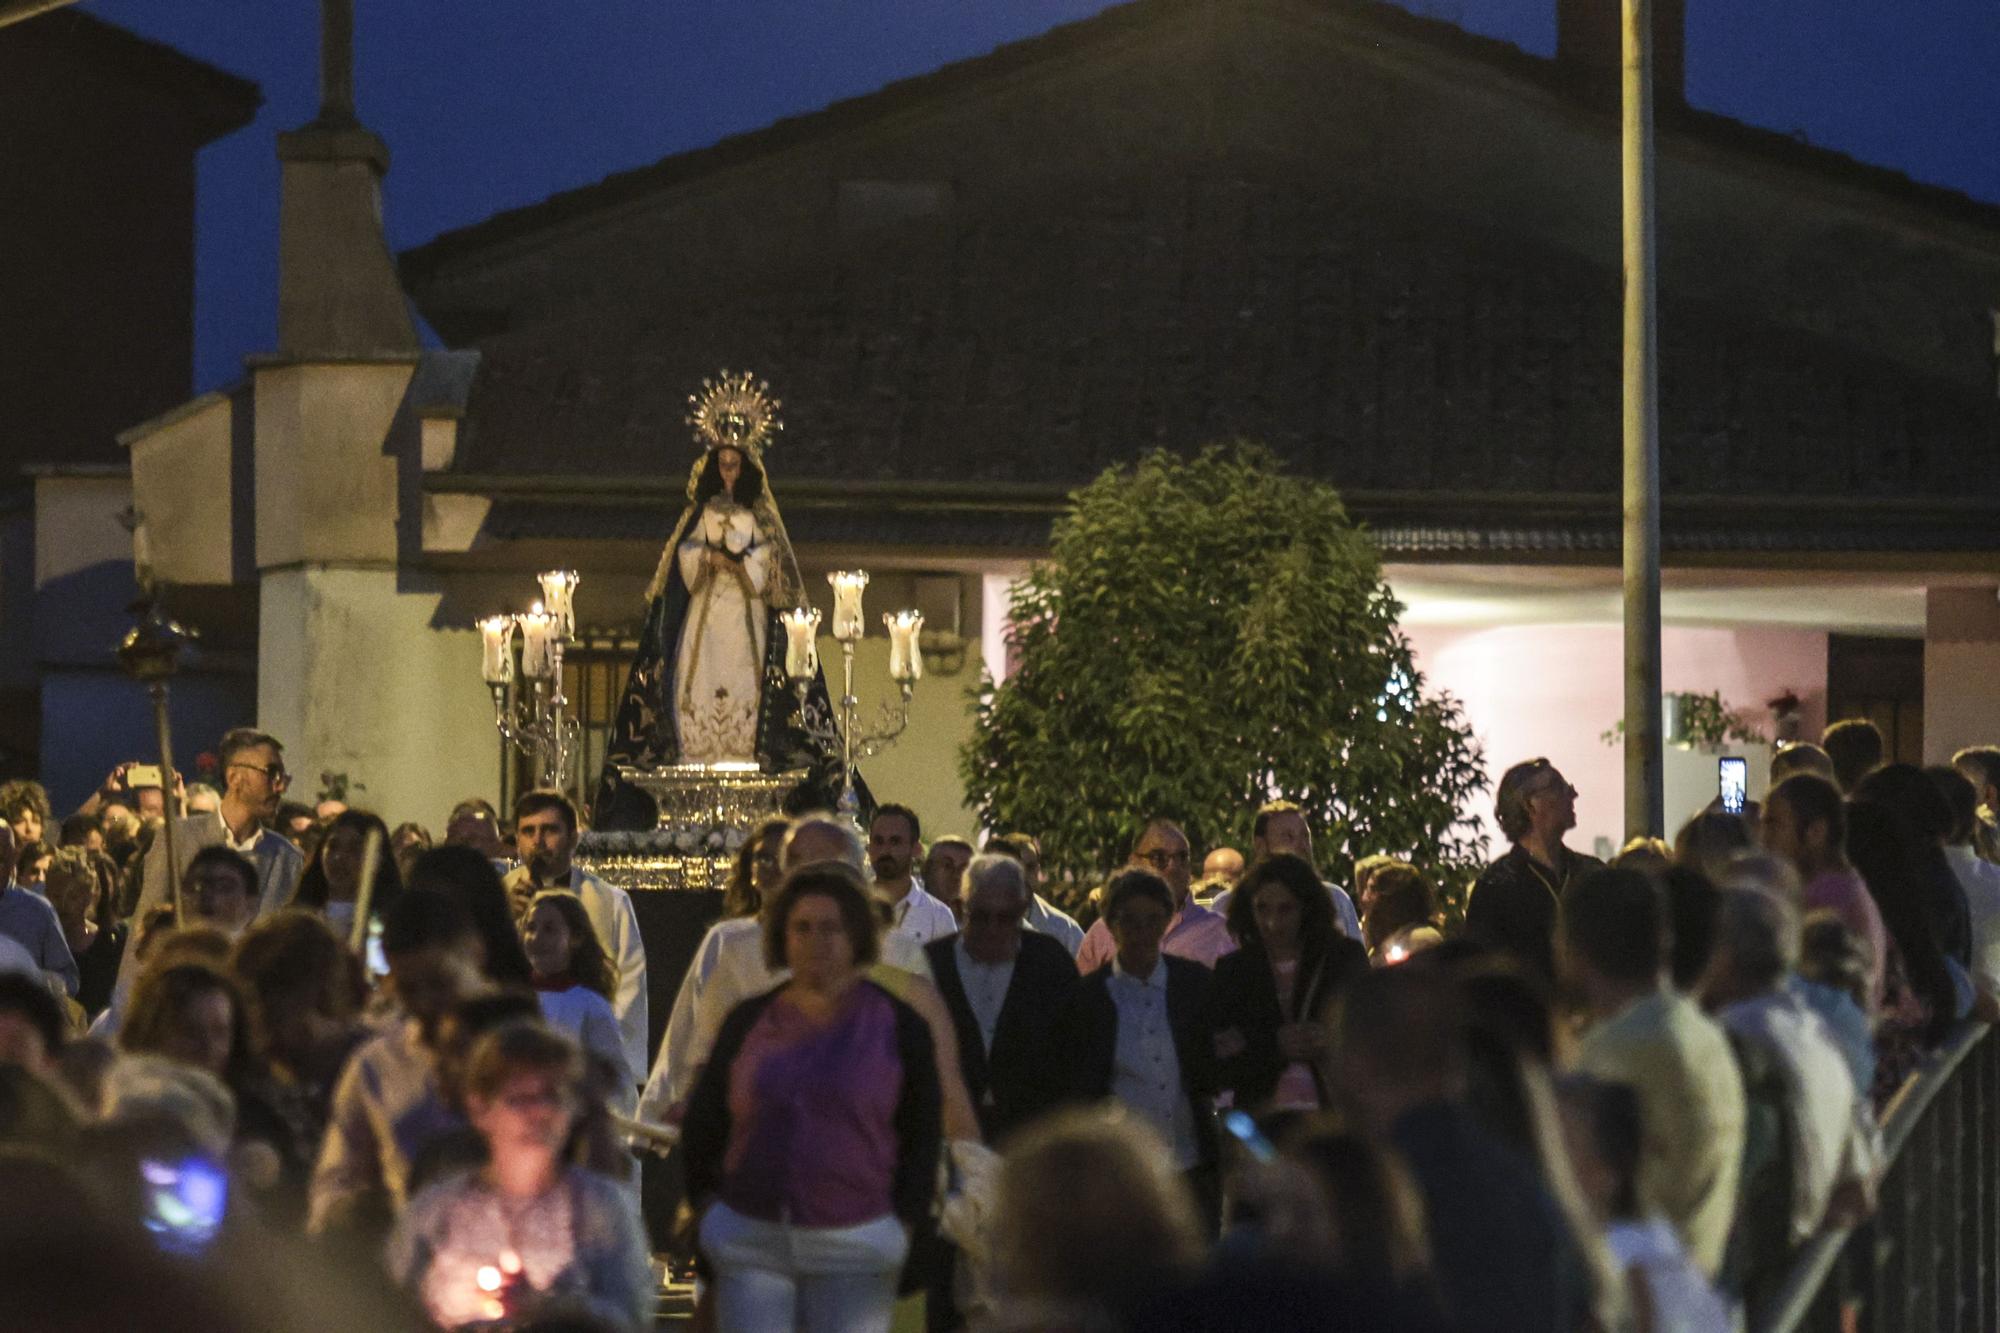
<point>538,639</point>
<point>559,592</point>
<point>801,642</point>
<point>847,586</point>
<point>497,635</point>
<point>906,662</point>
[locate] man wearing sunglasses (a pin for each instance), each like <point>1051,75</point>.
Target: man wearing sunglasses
<point>1193,932</point>
<point>1513,907</point>
<point>255,780</point>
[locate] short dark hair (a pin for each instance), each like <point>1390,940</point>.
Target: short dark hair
<point>1904,788</point>
<point>524,1045</point>
<point>76,830</point>
<point>1510,802</point>
<point>891,808</point>
<point>1157,821</point>
<point>1269,810</point>
<point>1981,759</point>
<point>1615,919</point>
<point>229,859</point>
<point>1295,874</point>
<point>543,799</point>
<point>1692,906</point>
<point>424,919</point>
<point>1801,757</point>
<point>1404,1023</point>
<point>1960,797</point>
<point>824,879</point>
<point>31,998</point>
<point>1130,884</point>
<point>1814,800</point>
<point>1855,746</point>
<point>238,739</point>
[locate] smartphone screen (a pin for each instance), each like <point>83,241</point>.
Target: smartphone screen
<point>1732,783</point>
<point>185,1202</point>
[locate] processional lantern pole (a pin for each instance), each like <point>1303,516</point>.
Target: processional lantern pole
<point>150,654</point>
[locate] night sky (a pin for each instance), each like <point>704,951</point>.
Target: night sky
<point>491,105</point>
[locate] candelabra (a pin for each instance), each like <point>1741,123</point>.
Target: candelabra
<point>906,667</point>
<point>534,719</point>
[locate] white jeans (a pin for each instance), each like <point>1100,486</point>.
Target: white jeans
<point>771,1276</point>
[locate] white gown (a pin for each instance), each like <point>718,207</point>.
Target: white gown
<point>719,667</point>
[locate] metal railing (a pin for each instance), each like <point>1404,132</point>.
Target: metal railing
<point>1929,1257</point>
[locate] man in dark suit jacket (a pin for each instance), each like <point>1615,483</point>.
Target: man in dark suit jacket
<point>1138,1028</point>
<point>1007,989</point>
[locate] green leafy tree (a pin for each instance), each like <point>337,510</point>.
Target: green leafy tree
<point>1208,634</point>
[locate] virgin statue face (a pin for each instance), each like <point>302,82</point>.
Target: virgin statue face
<point>728,466</point>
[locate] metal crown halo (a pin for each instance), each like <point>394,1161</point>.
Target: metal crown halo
<point>735,410</point>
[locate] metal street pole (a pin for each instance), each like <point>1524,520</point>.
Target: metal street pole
<point>1644,783</point>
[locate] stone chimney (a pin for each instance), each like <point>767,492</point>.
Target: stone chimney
<point>1587,48</point>
<point>338,295</point>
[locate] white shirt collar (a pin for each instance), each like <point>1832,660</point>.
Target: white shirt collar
<point>1157,981</point>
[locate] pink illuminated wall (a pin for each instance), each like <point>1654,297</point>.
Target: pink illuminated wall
<point>1554,689</point>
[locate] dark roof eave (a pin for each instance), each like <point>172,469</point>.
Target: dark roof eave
<point>218,102</point>
<point>1043,497</point>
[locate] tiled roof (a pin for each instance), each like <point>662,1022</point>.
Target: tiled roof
<point>1377,352</point>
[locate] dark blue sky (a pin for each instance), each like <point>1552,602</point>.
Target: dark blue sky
<point>490,105</point>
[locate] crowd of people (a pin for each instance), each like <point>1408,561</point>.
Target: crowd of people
<point>907,1089</point>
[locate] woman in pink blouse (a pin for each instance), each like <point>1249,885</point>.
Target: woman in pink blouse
<point>812,1137</point>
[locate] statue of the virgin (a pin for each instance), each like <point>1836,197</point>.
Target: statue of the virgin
<point>708,685</point>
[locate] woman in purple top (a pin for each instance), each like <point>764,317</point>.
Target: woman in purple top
<point>812,1138</point>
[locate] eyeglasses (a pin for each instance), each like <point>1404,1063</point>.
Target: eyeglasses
<point>275,774</point>
<point>1007,917</point>
<point>1557,788</point>
<point>1161,860</point>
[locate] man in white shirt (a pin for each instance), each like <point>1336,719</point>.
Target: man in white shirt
<point>254,781</point>
<point>895,840</point>
<point>545,835</point>
<point>1280,826</point>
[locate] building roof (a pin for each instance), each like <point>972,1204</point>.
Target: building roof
<point>1380,353</point>
<point>1675,120</point>
<point>1389,350</point>
<point>214,100</point>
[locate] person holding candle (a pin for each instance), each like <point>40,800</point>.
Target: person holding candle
<point>711,681</point>
<point>525,1233</point>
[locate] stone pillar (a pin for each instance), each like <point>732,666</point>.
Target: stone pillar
<point>1961,669</point>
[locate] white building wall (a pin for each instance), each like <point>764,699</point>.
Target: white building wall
<point>354,679</point>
